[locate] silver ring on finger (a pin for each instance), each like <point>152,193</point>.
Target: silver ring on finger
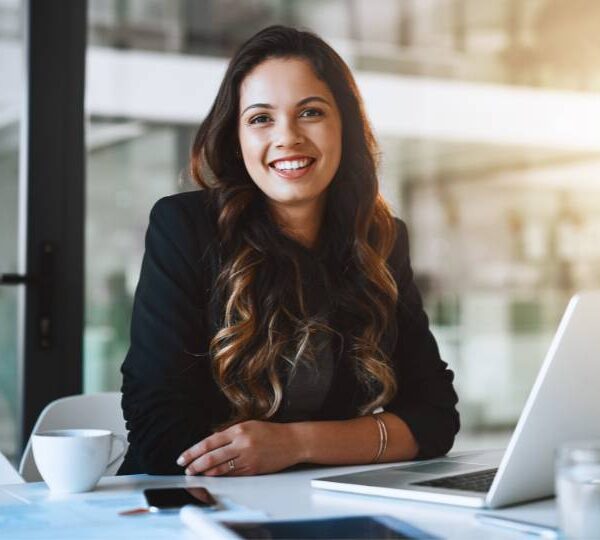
<point>231,465</point>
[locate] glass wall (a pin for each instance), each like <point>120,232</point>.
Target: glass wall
<point>11,68</point>
<point>501,238</point>
<point>130,165</point>
<point>503,225</point>
<point>538,43</point>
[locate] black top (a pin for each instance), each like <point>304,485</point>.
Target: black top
<point>308,379</point>
<point>170,398</point>
<point>308,383</point>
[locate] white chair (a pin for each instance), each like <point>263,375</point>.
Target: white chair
<point>8,474</point>
<point>83,411</point>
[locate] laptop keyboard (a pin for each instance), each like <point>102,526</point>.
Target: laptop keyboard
<point>479,481</point>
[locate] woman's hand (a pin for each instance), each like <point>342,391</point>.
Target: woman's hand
<point>247,448</point>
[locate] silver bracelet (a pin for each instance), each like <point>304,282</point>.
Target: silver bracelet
<point>383,437</point>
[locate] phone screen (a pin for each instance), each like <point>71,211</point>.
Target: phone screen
<point>171,498</point>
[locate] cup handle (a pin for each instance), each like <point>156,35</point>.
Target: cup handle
<point>123,441</point>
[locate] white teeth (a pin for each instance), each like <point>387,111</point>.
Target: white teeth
<point>292,164</point>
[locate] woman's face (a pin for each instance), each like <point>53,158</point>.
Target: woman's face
<point>290,132</point>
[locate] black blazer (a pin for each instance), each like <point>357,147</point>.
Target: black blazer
<point>170,398</point>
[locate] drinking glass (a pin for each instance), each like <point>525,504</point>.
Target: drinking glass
<point>578,489</point>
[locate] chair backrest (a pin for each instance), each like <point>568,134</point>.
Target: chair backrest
<point>92,411</point>
<point>8,474</point>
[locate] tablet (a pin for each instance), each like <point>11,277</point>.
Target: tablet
<point>350,527</point>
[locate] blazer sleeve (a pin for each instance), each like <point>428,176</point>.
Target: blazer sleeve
<point>166,369</point>
<point>425,399</point>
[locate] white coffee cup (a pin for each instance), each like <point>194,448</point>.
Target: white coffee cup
<point>73,460</point>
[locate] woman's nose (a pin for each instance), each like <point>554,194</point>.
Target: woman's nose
<point>288,134</point>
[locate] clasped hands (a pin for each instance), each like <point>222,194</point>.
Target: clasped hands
<point>247,448</point>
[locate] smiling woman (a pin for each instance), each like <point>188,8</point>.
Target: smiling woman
<point>276,319</point>
<point>290,135</point>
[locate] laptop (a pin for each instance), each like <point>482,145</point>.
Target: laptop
<point>564,405</point>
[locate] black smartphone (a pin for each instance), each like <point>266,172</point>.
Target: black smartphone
<point>174,498</point>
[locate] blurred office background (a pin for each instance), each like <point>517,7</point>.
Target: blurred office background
<point>486,113</point>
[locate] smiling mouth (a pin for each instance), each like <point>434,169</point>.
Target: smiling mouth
<point>292,164</point>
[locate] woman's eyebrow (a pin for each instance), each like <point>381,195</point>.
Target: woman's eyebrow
<point>257,106</point>
<point>303,101</point>
<point>311,98</point>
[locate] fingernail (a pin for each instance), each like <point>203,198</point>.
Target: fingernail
<point>180,460</point>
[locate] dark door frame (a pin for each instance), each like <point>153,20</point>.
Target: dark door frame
<point>54,187</point>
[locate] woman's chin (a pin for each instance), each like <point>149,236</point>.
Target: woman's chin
<point>294,200</point>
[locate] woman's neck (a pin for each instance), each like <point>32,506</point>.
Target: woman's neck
<point>301,222</point>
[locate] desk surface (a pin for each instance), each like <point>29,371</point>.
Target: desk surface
<point>29,511</point>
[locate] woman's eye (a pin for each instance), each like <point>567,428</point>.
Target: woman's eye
<point>259,119</point>
<point>311,112</point>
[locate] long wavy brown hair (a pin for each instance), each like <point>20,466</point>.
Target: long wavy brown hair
<point>266,322</point>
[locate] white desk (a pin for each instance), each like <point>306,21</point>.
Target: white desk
<point>28,511</point>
